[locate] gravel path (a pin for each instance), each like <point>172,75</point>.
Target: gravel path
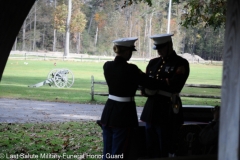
<point>23,111</point>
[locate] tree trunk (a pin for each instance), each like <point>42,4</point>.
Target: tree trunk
<point>130,22</point>
<point>54,31</point>
<point>193,44</point>
<point>15,45</point>
<point>90,23</point>
<point>139,40</point>
<point>35,21</point>
<point>229,137</point>
<point>24,35</point>
<point>149,34</point>
<point>78,43</point>
<point>169,16</point>
<point>43,41</point>
<point>66,50</point>
<point>54,40</point>
<point>96,37</point>
<point>55,3</point>
<point>63,40</point>
<point>30,36</point>
<point>145,37</point>
<point>92,14</point>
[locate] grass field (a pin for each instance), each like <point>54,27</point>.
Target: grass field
<point>72,138</point>
<point>17,76</point>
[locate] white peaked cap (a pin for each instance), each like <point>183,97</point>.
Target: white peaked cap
<point>161,38</point>
<point>127,42</point>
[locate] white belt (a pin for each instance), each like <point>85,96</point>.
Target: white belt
<point>121,99</point>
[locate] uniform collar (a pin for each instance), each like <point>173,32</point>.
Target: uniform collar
<point>173,55</point>
<point>120,59</point>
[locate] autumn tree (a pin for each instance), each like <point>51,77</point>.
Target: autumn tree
<point>109,20</point>
<point>68,22</point>
<point>207,12</point>
<point>59,19</point>
<point>60,15</point>
<point>100,19</point>
<point>78,23</point>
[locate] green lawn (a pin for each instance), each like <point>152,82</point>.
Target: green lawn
<point>17,76</point>
<point>73,138</point>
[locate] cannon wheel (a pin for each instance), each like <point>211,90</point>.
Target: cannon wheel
<point>62,80</point>
<point>51,75</point>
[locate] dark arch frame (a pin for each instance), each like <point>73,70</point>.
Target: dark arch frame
<point>12,16</point>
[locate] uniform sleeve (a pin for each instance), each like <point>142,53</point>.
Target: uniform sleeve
<point>104,70</point>
<point>177,81</point>
<point>145,81</point>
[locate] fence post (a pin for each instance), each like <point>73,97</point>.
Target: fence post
<point>92,87</point>
<point>25,56</point>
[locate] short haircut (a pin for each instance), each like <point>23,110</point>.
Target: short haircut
<point>120,49</point>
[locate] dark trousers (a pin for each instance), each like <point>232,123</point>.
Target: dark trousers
<point>115,142</point>
<point>156,141</point>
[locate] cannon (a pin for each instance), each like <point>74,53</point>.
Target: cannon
<point>57,77</point>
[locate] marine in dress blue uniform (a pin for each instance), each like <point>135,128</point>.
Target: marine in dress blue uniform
<point>163,109</point>
<point>119,115</point>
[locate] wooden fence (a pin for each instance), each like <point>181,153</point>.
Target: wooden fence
<point>21,55</point>
<point>182,95</point>
<point>71,57</point>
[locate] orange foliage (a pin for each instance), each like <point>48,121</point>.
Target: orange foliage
<point>100,19</point>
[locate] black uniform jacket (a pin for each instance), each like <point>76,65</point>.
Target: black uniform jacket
<point>158,108</point>
<point>123,79</point>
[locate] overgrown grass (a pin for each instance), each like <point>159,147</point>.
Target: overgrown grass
<point>68,139</point>
<point>17,76</point>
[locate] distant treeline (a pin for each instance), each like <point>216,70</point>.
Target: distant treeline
<point>96,23</point>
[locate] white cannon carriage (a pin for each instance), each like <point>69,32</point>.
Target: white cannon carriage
<point>61,78</point>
